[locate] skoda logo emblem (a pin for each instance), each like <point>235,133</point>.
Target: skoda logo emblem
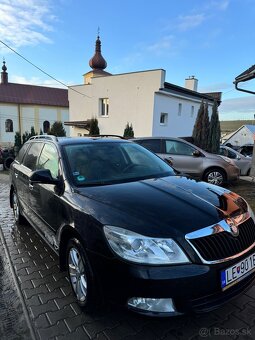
<point>233,228</point>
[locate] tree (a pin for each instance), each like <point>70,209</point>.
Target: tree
<point>57,129</point>
<point>197,130</point>
<point>214,131</point>
<point>17,141</point>
<point>128,132</point>
<point>94,128</point>
<point>201,128</point>
<point>25,137</point>
<point>205,128</point>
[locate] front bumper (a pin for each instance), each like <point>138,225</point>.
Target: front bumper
<point>192,287</point>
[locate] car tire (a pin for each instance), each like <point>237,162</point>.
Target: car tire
<point>82,278</point>
<point>215,176</point>
<point>18,217</point>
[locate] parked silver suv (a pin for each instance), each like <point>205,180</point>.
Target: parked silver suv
<point>189,159</point>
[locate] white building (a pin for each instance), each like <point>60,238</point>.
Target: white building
<point>144,99</point>
<point>23,106</point>
<point>244,135</point>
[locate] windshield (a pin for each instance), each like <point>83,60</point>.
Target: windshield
<point>101,163</point>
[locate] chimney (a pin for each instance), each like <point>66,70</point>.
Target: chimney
<point>191,83</point>
<point>4,74</point>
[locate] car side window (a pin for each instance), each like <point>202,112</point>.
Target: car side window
<point>31,157</point>
<point>49,160</point>
<point>231,154</point>
<point>151,144</point>
<point>179,148</point>
<point>22,152</point>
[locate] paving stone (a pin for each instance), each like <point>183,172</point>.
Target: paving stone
<point>67,300</point>
<point>98,326</point>
<point>57,315</point>
<point>142,335</point>
<point>33,301</point>
<point>59,329</point>
<point>76,321</point>
<point>42,321</point>
<point>79,333</point>
<point>241,301</point>
<point>42,309</point>
<point>26,285</point>
<point>35,291</point>
<point>120,331</point>
<point>55,294</point>
<point>247,314</point>
<point>53,285</point>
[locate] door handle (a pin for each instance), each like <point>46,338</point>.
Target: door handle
<point>31,187</point>
<point>16,174</point>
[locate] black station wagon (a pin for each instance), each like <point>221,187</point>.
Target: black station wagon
<point>129,230</point>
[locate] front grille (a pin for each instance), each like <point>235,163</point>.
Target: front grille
<point>223,245</point>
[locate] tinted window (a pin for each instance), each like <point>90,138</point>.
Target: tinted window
<point>22,152</point>
<point>179,148</point>
<point>105,163</point>
<point>49,160</point>
<point>32,155</point>
<point>151,144</point>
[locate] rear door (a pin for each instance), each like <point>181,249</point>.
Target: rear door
<point>22,172</point>
<point>44,200</point>
<point>182,158</point>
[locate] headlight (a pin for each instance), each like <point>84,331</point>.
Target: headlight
<point>142,249</point>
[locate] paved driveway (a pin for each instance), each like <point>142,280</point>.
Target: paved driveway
<point>45,308</point>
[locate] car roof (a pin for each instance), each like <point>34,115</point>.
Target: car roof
<point>77,140</point>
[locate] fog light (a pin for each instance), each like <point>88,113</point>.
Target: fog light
<point>152,305</point>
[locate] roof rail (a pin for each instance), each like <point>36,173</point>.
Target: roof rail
<point>51,137</point>
<point>117,136</point>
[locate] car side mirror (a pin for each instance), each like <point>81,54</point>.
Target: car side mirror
<point>196,153</point>
<point>43,176</point>
<point>238,157</point>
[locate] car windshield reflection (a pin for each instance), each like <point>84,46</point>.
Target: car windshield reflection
<point>107,163</point>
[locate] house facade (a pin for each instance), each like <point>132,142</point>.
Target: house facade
<point>144,99</point>
<point>244,135</point>
<point>23,106</point>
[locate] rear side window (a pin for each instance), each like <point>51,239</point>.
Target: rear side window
<point>49,160</point>
<point>22,152</point>
<point>179,148</point>
<point>32,155</point>
<point>151,144</point>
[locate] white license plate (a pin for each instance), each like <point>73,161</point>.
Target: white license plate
<point>237,272</point>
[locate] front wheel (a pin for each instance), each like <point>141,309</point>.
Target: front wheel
<point>215,176</point>
<point>19,219</point>
<point>81,277</point>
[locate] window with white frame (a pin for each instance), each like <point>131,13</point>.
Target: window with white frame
<point>192,111</point>
<point>163,118</point>
<point>179,109</point>
<point>104,107</point>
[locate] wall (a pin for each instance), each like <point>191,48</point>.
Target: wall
<point>243,136</point>
<point>8,111</point>
<point>131,99</point>
<point>177,125</point>
<point>29,116</point>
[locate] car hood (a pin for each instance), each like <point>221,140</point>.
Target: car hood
<point>163,206</point>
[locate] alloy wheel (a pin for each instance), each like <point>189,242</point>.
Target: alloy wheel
<point>15,206</point>
<point>215,177</point>
<point>77,274</point>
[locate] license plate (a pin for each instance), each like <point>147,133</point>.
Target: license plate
<point>237,272</point>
